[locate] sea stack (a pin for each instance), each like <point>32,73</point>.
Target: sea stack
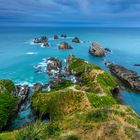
<point>76,40</point>
<point>56,37</point>
<point>96,50</point>
<point>65,46</point>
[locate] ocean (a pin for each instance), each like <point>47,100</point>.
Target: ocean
<point>19,57</point>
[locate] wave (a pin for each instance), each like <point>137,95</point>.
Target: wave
<point>31,53</point>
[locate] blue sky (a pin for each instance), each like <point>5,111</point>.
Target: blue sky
<point>71,12</point>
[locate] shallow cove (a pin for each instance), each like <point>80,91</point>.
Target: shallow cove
<point>19,56</point>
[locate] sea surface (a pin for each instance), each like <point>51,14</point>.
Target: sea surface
<point>19,57</point>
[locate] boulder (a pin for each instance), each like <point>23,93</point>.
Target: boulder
<point>45,45</point>
<point>44,39</point>
<point>56,37</point>
<point>76,40</point>
<point>65,46</point>
<point>96,50</point>
<point>37,40</point>
<point>64,35</point>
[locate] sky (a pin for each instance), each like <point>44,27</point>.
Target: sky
<point>110,13</point>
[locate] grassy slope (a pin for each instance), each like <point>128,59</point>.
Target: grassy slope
<point>7,101</point>
<point>80,112</point>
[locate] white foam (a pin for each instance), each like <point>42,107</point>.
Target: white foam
<point>31,53</point>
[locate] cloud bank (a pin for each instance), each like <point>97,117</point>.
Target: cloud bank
<point>70,12</point>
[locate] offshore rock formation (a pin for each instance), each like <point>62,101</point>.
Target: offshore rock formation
<point>128,77</point>
<point>76,40</point>
<point>45,45</point>
<point>56,37</point>
<point>64,35</point>
<point>96,50</point>
<point>43,39</point>
<point>64,46</point>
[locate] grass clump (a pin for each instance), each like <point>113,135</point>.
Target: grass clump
<point>60,103</point>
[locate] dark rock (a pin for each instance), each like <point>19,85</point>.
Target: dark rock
<point>37,40</point>
<point>96,50</point>
<point>138,65</point>
<point>116,90</point>
<point>107,50</point>
<point>128,77</point>
<point>64,35</point>
<point>22,92</point>
<point>45,45</point>
<point>56,37</point>
<point>54,66</point>
<point>76,40</point>
<point>64,46</point>
<point>44,39</point>
<point>37,87</point>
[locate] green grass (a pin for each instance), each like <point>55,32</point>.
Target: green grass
<point>58,104</point>
<point>101,101</point>
<point>7,86</point>
<point>7,106</point>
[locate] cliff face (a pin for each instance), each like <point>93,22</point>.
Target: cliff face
<point>82,111</point>
<point>8,102</point>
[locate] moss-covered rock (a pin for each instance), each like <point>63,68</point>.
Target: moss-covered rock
<point>8,102</point>
<point>91,77</point>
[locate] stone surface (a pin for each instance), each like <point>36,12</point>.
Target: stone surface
<point>64,46</point>
<point>129,77</point>
<point>96,50</point>
<point>76,40</point>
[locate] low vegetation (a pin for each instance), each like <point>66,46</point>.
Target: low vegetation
<point>84,111</point>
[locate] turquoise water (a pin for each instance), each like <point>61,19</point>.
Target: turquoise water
<point>18,56</point>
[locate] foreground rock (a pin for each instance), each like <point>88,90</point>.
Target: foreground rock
<point>128,77</point>
<point>54,66</point>
<point>76,40</point>
<point>64,46</point>
<point>96,50</point>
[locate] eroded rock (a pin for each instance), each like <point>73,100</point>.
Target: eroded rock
<point>96,50</point>
<point>65,46</point>
<point>76,40</point>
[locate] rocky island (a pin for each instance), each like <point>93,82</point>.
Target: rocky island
<point>76,111</point>
<point>129,77</point>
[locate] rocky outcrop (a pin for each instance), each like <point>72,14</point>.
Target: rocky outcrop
<point>107,50</point>
<point>76,40</point>
<point>22,92</point>
<point>64,35</point>
<point>129,77</point>
<point>45,45</point>
<point>64,46</point>
<point>137,65</point>
<point>43,39</point>
<point>96,50</point>
<point>56,37</point>
<point>54,66</point>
